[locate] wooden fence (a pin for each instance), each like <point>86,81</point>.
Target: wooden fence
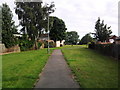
<point>107,49</point>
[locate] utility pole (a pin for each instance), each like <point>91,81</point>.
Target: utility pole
<point>48,35</point>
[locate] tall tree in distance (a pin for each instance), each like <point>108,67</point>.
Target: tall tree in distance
<point>8,27</point>
<point>71,38</point>
<point>32,16</point>
<point>86,39</point>
<point>102,32</point>
<point>57,29</point>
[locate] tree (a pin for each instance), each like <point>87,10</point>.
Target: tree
<point>32,16</point>
<point>86,39</point>
<point>57,29</point>
<point>71,38</point>
<point>102,32</point>
<point>8,27</point>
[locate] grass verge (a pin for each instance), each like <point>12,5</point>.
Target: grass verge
<point>21,70</point>
<point>92,69</point>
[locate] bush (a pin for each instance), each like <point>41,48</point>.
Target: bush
<point>25,45</point>
<point>92,45</point>
<point>39,45</point>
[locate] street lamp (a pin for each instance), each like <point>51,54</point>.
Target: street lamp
<point>48,34</point>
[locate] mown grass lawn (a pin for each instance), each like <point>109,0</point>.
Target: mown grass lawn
<point>92,69</point>
<point>21,70</point>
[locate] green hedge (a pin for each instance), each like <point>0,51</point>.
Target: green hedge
<point>39,45</point>
<point>25,45</point>
<point>107,49</point>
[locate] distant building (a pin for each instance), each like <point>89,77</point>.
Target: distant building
<point>44,37</point>
<point>112,38</point>
<point>17,35</point>
<point>117,41</point>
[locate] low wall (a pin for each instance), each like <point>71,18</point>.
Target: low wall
<point>3,49</point>
<point>57,43</point>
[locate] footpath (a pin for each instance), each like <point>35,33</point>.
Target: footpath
<point>56,73</point>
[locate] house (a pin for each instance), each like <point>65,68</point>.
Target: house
<point>44,37</point>
<point>17,35</point>
<point>59,44</point>
<point>112,38</point>
<point>117,40</point>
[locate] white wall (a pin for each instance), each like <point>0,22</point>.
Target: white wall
<point>57,43</point>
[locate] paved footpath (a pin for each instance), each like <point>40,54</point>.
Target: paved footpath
<point>56,73</point>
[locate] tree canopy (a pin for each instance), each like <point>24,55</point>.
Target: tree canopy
<point>57,29</point>
<point>33,16</point>
<point>71,38</point>
<point>86,39</point>
<point>102,32</point>
<point>8,27</point>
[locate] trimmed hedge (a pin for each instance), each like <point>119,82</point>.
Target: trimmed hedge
<point>107,49</point>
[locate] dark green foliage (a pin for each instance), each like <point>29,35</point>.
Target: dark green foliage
<point>8,27</point>
<point>71,38</point>
<point>51,44</point>
<point>92,45</point>
<point>86,39</point>
<point>107,49</point>
<point>32,16</point>
<point>57,29</point>
<point>26,44</point>
<point>39,44</point>
<point>102,32</point>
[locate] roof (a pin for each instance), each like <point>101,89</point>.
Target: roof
<point>113,37</point>
<point>118,38</point>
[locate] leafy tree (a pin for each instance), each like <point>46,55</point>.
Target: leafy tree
<point>8,27</point>
<point>71,38</point>
<point>86,39</point>
<point>32,16</point>
<point>102,32</point>
<point>57,29</point>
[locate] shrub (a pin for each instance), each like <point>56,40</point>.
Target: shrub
<point>92,45</point>
<point>25,45</point>
<point>39,44</point>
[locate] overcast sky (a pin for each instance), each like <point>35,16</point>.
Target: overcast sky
<point>81,15</point>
